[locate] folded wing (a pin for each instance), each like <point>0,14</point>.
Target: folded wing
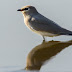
<point>41,23</point>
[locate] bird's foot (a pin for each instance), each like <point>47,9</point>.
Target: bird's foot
<point>43,41</point>
<point>52,40</point>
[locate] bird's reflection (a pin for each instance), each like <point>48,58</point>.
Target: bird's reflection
<point>43,52</point>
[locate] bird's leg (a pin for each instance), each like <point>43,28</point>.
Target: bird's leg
<point>43,38</point>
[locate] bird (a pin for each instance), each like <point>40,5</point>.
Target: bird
<point>40,24</point>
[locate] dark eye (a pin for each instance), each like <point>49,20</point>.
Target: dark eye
<point>26,9</point>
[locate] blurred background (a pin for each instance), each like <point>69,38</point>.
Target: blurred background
<point>16,40</point>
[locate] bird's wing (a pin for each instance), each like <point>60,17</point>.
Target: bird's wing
<point>41,23</point>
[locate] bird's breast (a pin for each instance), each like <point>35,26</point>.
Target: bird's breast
<point>26,21</point>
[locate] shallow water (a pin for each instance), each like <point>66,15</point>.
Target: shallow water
<point>16,41</point>
<point>39,56</point>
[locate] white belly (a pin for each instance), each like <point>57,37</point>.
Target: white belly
<point>45,33</point>
<point>42,32</point>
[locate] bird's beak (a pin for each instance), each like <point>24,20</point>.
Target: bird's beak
<point>19,10</point>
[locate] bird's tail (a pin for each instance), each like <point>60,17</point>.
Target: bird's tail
<point>69,34</point>
<point>66,33</point>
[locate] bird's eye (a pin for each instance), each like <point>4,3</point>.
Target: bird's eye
<point>26,9</point>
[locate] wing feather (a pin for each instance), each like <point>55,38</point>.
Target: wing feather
<point>41,23</point>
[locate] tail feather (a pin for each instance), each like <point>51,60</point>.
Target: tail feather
<point>67,32</point>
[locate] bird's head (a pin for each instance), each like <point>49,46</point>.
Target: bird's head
<point>28,10</point>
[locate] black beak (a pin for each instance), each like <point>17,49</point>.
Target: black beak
<point>19,10</point>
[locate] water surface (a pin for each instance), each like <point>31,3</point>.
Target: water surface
<point>16,41</point>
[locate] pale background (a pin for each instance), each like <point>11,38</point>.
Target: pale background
<point>16,40</point>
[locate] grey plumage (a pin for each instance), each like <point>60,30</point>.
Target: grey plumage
<point>41,23</point>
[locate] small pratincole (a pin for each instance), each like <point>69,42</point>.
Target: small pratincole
<point>40,24</point>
